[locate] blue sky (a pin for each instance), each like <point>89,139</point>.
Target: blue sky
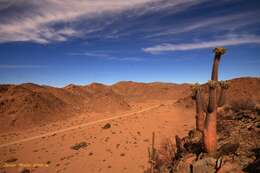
<point>61,42</point>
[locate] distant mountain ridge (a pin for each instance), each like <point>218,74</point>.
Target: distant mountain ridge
<point>30,104</point>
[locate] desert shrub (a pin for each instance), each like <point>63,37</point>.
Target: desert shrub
<point>164,157</point>
<point>167,151</point>
<point>243,105</point>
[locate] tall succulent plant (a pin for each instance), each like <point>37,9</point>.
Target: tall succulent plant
<point>209,124</point>
<point>196,95</point>
<point>224,85</point>
<point>219,51</point>
<point>210,130</point>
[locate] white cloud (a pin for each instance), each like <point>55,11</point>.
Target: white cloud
<point>127,59</point>
<point>90,54</point>
<point>203,45</point>
<point>36,24</point>
<point>36,19</point>
<point>107,56</point>
<point>227,22</point>
<point>20,66</point>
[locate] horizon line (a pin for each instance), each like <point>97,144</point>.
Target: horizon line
<point>111,84</point>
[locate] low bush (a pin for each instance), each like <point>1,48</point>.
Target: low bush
<point>239,105</point>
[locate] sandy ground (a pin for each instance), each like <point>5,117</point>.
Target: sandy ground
<point>120,148</point>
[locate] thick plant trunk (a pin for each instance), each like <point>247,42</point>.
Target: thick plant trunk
<point>210,133</point>
<point>200,118</point>
<point>212,99</point>
<point>214,75</point>
<point>222,97</point>
<point>200,112</point>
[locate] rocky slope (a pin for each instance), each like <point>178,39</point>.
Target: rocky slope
<point>241,90</point>
<point>26,105</point>
<point>134,91</point>
<point>29,104</point>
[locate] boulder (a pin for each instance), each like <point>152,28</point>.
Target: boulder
<point>106,126</point>
<point>230,167</point>
<point>228,148</point>
<point>205,165</point>
<point>195,136</point>
<point>79,146</point>
<point>185,164</point>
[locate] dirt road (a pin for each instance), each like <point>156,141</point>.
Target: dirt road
<point>122,148</point>
<point>78,126</point>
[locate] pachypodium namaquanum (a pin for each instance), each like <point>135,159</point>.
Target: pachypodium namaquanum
<point>206,117</point>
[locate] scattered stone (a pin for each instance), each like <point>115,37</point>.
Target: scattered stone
<point>117,145</point>
<point>122,154</point>
<point>25,170</point>
<point>257,124</point>
<point>179,146</point>
<point>13,159</point>
<point>90,154</point>
<point>195,136</point>
<point>257,108</point>
<point>146,140</point>
<point>249,126</point>
<point>230,167</point>
<point>253,167</point>
<point>106,126</point>
<point>79,146</point>
<point>238,136</point>
<point>205,165</point>
<point>228,148</point>
<point>185,164</point>
<point>106,139</point>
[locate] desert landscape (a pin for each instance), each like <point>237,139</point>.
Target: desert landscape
<point>129,86</point>
<point>110,127</point>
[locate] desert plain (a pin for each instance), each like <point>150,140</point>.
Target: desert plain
<point>96,128</point>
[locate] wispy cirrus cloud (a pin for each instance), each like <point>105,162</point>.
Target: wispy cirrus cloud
<point>107,56</point>
<point>8,66</point>
<point>47,21</point>
<point>202,45</point>
<point>227,22</point>
<point>90,54</point>
<point>127,59</point>
<point>37,24</point>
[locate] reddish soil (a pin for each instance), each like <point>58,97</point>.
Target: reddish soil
<point>40,124</point>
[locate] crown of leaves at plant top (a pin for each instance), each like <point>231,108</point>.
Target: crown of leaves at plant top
<point>194,89</point>
<point>224,84</point>
<point>219,50</point>
<point>212,84</point>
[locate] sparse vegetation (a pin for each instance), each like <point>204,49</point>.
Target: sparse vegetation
<point>198,152</point>
<point>239,105</point>
<point>208,124</point>
<point>78,146</point>
<point>196,95</point>
<point>224,85</point>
